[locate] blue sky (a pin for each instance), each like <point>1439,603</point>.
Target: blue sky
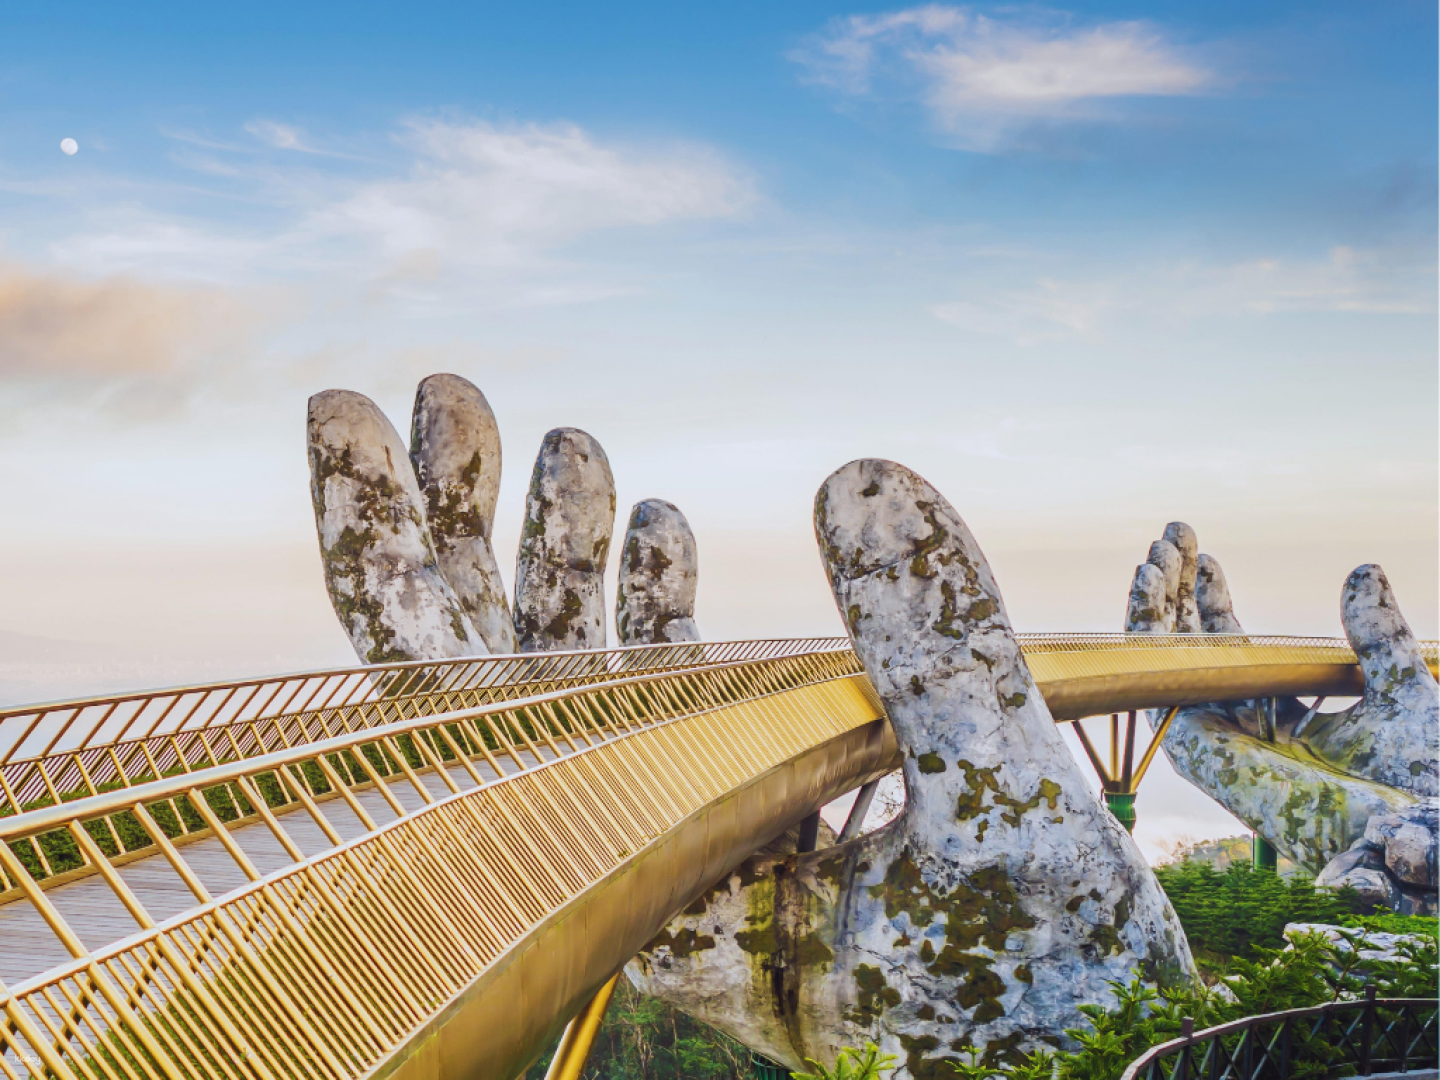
<point>1088,268</point>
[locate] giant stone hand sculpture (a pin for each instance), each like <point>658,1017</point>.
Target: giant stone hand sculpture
<point>380,565</point>
<point>560,568</point>
<point>405,538</point>
<point>455,448</point>
<point>1002,898</point>
<point>1348,795</point>
<point>655,600</point>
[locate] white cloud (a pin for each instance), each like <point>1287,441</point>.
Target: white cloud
<point>1376,282</point>
<point>286,137</point>
<point>980,75</point>
<point>149,243</point>
<point>456,200</point>
<point>1052,310</point>
<point>480,191</point>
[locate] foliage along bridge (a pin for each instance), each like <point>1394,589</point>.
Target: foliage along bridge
<point>427,869</point>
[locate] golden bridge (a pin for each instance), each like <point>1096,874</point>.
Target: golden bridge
<point>429,869</point>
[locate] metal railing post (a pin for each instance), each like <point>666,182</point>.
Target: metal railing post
<point>1367,1030</point>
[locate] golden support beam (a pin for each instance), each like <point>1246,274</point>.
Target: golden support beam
<point>575,1044</point>
<point>1121,780</point>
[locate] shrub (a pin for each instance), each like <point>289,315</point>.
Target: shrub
<point>1239,911</point>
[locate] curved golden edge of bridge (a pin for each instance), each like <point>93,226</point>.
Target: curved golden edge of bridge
<point>604,924</point>
<point>1074,685</point>
<point>524,999</point>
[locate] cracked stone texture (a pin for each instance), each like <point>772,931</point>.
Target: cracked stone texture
<point>999,901</point>
<point>1145,613</point>
<point>1212,596</point>
<point>380,567</point>
<point>1187,612</point>
<point>655,598</point>
<point>455,449</point>
<point>1167,559</point>
<point>560,567</point>
<point>1315,788</point>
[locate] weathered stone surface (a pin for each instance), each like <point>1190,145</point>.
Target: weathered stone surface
<point>1313,789</point>
<point>1170,563</point>
<point>1393,734</point>
<point>560,567</point>
<point>455,448</point>
<point>1374,888</point>
<point>380,568</point>
<point>1187,611</point>
<point>659,570</point>
<point>1358,857</point>
<point>1409,840</point>
<point>1145,614</point>
<point>1310,812</point>
<point>1212,596</point>
<point>1002,898</point>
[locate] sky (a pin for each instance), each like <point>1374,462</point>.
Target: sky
<point>1089,269</point>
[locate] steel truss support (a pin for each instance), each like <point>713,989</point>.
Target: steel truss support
<point>1120,778</point>
<point>574,1048</point>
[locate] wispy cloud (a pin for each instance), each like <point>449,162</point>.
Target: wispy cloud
<point>478,190</point>
<point>1346,280</point>
<point>57,326</point>
<point>452,194</point>
<point>280,136</point>
<point>980,75</point>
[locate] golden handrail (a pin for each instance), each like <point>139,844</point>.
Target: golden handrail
<point>63,749</point>
<point>332,966</point>
<point>555,833</point>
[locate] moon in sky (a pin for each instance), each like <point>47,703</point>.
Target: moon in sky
<point>69,146</point>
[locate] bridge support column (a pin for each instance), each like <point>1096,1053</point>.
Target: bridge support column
<point>1264,854</point>
<point>1122,805</point>
<point>574,1048</point>
<point>856,821</point>
<point>1121,780</point>
<point>809,833</point>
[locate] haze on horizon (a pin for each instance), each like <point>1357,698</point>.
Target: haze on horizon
<point>1089,269</point>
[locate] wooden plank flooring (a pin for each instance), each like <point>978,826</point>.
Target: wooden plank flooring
<point>28,947</point>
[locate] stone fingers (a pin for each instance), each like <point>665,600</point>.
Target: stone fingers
<point>1276,790</point>
<point>1212,597</point>
<point>1145,612</point>
<point>455,448</point>
<point>985,766</point>
<point>1391,735</point>
<point>655,598</point>
<point>564,542</point>
<point>1164,556</point>
<point>380,567</point>
<point>1187,615</point>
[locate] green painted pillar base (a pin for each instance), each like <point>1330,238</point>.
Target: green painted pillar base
<point>1123,807</point>
<point>1264,854</point>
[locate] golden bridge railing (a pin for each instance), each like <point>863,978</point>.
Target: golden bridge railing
<point>58,752</point>
<point>326,968</point>
<point>73,748</point>
<point>331,965</point>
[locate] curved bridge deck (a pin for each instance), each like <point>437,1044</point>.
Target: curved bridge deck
<point>439,894</point>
